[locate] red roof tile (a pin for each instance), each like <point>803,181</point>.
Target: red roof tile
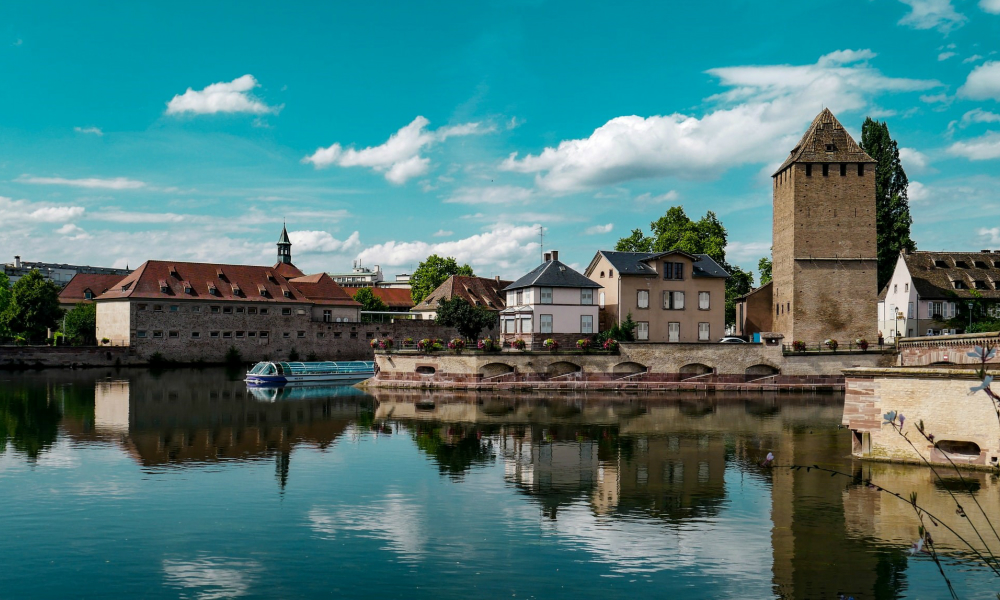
<point>75,290</point>
<point>322,289</point>
<point>286,270</point>
<point>393,297</point>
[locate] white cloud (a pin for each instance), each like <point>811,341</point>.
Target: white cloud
<point>115,215</point>
<point>222,97</point>
<point>747,252</point>
<point>399,157</point>
<point>977,115</point>
<point>972,58</point>
<point>945,56</point>
<point>503,194</point>
<point>598,229</point>
<point>443,233</point>
<point>769,107</point>
<point>503,246</point>
<point>322,241</point>
<point>212,578</point>
<point>395,520</point>
<point>913,159</point>
<point>990,6</point>
<point>648,198</point>
<point>917,192</point>
<point>13,211</point>
<point>990,236</point>
<point>984,147</point>
<point>92,130</point>
<point>932,14</point>
<point>73,232</point>
<point>983,83</point>
<point>115,183</point>
<point>936,98</point>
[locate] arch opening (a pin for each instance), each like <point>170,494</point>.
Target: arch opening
<point>693,369</point>
<point>762,369</point>
<point>562,368</point>
<point>495,369</point>
<point>628,368</point>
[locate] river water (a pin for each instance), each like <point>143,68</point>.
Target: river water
<point>184,484</point>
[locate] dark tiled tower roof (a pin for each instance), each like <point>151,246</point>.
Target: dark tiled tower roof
<point>826,141</point>
<point>284,247</point>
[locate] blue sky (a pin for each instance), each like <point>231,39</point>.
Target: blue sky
<point>385,132</point>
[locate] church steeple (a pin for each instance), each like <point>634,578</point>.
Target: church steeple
<point>284,247</point>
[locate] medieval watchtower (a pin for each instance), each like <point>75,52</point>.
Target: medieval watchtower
<point>824,268</point>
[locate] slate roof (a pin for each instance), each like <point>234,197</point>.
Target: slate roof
<point>477,291</point>
<point>393,297</point>
<point>934,274</point>
<point>163,280</point>
<point>75,290</point>
<point>826,132</point>
<point>553,274</point>
<point>283,239</point>
<point>636,263</point>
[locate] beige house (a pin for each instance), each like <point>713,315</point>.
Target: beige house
<point>673,296</point>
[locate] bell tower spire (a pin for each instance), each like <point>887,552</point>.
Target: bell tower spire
<point>284,247</point>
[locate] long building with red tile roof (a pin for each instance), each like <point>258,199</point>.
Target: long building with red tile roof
<point>396,299</point>
<point>84,287</point>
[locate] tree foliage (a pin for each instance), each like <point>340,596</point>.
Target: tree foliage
<point>5,301</point>
<point>764,267</point>
<point>469,320</point>
<point>81,325</point>
<point>892,206</point>
<point>622,333</point>
<point>34,307</point>
<point>676,231</point>
<point>369,301</point>
<point>433,272</point>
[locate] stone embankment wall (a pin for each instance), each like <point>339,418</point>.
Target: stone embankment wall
<point>938,397</point>
<point>28,357</point>
<point>943,349</point>
<point>642,366</point>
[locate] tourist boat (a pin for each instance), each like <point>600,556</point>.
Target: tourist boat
<point>282,373</point>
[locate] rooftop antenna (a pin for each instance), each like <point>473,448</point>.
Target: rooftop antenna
<point>541,243</point>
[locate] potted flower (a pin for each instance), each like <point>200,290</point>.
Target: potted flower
<point>831,344</point>
<point>375,344</point>
<point>611,345</point>
<point>799,346</point>
<point>488,345</point>
<point>457,345</point>
<point>583,344</point>
<point>551,344</point>
<point>518,345</point>
<point>425,345</point>
<point>862,343</point>
<point>105,341</point>
<point>408,342</point>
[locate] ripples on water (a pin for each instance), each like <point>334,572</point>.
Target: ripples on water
<point>184,484</point>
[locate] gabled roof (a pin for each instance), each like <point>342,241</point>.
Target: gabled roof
<point>934,274</point>
<point>764,288</point>
<point>163,280</point>
<point>826,141</point>
<point>637,263</point>
<point>553,274</point>
<point>477,291</point>
<point>393,297</point>
<point>287,270</point>
<point>75,290</point>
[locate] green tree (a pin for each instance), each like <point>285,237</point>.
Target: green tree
<point>764,267</point>
<point>469,320</point>
<point>368,300</point>
<point>676,231</point>
<point>5,300</point>
<point>34,307</point>
<point>433,272</point>
<point>892,206</point>
<point>80,325</point>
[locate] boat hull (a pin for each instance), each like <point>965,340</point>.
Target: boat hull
<point>273,380</point>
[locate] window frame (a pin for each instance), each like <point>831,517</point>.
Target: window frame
<point>542,295</point>
<point>541,324</point>
<point>584,292</point>
<point>708,300</point>
<point>638,299</point>
<point>583,320</point>
<point>642,331</point>
<point>708,332</point>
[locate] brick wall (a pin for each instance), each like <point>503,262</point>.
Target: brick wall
<point>15,357</point>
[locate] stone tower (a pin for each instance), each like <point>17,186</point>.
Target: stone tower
<point>824,267</point>
<point>284,247</point>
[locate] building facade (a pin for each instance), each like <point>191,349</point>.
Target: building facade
<point>552,301</point>
<point>930,293</point>
<point>753,313</point>
<point>58,273</point>
<point>672,296</point>
<point>824,259</point>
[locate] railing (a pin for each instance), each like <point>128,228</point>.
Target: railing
<point>818,347</point>
<point>472,347</point>
<point>387,316</point>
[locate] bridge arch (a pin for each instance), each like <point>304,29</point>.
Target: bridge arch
<point>562,367</point>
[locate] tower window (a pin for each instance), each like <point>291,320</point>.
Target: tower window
<point>809,170</point>
<point>826,169</point>
<point>861,169</point>
<point>830,148</point>
<point>843,169</point>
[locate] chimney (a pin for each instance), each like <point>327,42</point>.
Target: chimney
<point>498,278</point>
<point>555,255</point>
<point>17,262</point>
<point>985,251</point>
<point>547,257</point>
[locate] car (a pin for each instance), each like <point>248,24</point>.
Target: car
<point>732,340</point>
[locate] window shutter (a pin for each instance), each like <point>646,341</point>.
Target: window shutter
<point>679,299</point>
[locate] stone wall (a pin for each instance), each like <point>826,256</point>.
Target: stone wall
<point>938,397</point>
<point>21,357</point>
<point>943,349</point>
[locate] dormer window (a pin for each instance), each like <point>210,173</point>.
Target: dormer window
<point>980,264</point>
<point>173,271</point>
<point>212,290</point>
<point>270,277</point>
<point>188,289</point>
<point>164,288</point>
<point>980,284</point>
<point>261,289</point>
<point>940,264</point>
<point>830,148</point>
<point>286,292</point>
<point>961,264</point>
<point>126,287</point>
<point>220,274</point>
<point>959,284</point>
<point>236,290</point>
<point>88,295</point>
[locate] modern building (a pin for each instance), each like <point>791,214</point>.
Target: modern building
<point>672,296</point>
<point>551,301</point>
<point>58,273</point>
<point>477,291</point>
<point>823,254</point>
<point>84,287</point>
<point>192,310</point>
<point>932,293</point>
<point>361,276</point>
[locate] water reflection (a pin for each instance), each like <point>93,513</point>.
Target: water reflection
<point>631,486</point>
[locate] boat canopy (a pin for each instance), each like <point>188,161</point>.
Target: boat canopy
<point>311,368</point>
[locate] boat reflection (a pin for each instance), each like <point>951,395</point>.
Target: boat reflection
<point>305,391</point>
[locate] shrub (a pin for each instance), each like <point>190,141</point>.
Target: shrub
<point>583,344</point>
<point>312,357</point>
<point>157,360</point>
<point>611,345</point>
<point>293,356</point>
<point>831,344</point>
<point>105,341</point>
<point>862,343</point>
<point>233,356</point>
<point>518,345</point>
<point>551,344</point>
<point>799,346</point>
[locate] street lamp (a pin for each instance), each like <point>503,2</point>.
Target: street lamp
<point>970,315</point>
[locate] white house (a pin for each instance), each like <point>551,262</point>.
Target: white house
<point>552,301</point>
